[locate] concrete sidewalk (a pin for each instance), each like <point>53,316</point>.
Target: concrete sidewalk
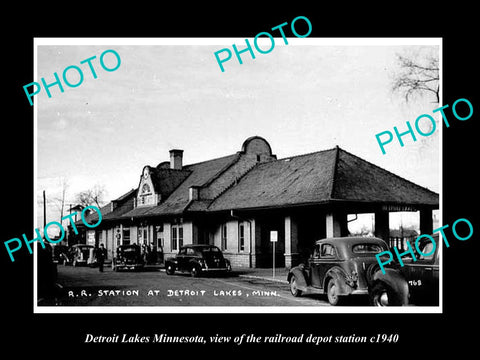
<point>264,274</point>
<point>258,273</point>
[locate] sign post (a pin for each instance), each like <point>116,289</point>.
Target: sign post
<point>273,240</point>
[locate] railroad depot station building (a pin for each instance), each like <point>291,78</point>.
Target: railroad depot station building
<point>236,201</point>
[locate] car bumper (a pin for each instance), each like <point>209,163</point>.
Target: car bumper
<point>359,292</point>
<point>216,269</point>
<point>129,266</point>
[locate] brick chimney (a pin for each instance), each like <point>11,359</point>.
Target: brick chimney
<point>193,192</point>
<point>176,157</point>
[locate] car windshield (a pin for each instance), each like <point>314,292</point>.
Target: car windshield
<point>366,248</point>
<point>211,252</point>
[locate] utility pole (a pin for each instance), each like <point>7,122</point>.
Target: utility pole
<point>44,210</point>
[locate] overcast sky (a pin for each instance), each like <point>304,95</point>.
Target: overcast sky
<point>300,98</point>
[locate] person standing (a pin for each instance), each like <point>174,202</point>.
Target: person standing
<point>153,254</point>
<point>101,256</point>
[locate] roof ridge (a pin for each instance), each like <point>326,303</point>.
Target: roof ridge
<point>204,161</point>
<point>122,197</point>
<point>334,171</point>
<point>155,169</point>
<point>310,153</point>
<point>222,170</point>
<point>234,182</point>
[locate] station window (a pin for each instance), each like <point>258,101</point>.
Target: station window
<point>126,236</point>
<point>241,237</point>
<point>160,239</point>
<point>224,237</point>
<point>177,237</point>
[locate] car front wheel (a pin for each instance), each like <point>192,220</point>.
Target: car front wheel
<point>293,287</point>
<point>170,270</point>
<point>194,271</point>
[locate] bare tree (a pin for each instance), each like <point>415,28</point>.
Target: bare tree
<point>93,196</point>
<point>418,75</point>
<point>60,200</point>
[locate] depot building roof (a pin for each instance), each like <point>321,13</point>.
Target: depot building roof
<point>324,176</point>
<point>254,178</point>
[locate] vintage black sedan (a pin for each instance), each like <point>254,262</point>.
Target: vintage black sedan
<point>198,259</point>
<point>338,267</point>
<point>129,257</point>
<point>416,282</point>
<point>81,254</point>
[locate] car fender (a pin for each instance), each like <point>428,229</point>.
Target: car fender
<point>300,276</point>
<point>171,261</point>
<point>194,262</point>
<point>338,275</point>
<point>395,280</point>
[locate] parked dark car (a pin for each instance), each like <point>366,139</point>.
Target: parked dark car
<point>82,254</point>
<point>129,257</point>
<point>338,267</point>
<point>417,282</point>
<point>60,254</point>
<point>198,259</point>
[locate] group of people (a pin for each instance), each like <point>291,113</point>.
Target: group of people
<point>149,254</point>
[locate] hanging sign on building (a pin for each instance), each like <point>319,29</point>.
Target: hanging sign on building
<point>398,208</point>
<point>91,237</point>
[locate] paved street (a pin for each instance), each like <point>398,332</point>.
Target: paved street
<point>153,287</point>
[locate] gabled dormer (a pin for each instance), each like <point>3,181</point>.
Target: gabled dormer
<point>146,191</point>
<point>157,183</point>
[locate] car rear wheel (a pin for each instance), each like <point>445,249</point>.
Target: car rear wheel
<point>370,273</point>
<point>383,295</point>
<point>332,293</point>
<point>294,288</point>
<point>170,270</point>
